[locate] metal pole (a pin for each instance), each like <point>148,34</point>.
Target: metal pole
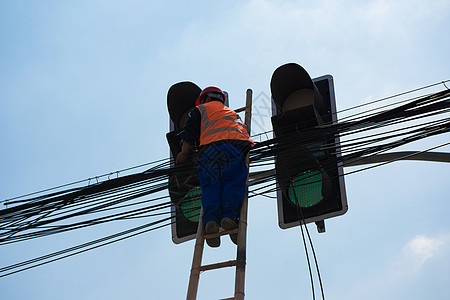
<point>405,155</point>
<point>241,255</point>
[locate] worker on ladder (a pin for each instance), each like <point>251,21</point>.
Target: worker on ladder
<point>224,142</point>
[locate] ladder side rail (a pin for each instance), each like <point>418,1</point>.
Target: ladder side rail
<point>241,256</point>
<point>196,261</point>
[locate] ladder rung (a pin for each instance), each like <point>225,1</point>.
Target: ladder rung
<point>220,233</point>
<point>240,109</point>
<point>225,264</point>
<point>232,298</point>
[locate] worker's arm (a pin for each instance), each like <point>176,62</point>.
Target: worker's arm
<point>191,130</point>
<point>186,148</point>
<point>189,136</point>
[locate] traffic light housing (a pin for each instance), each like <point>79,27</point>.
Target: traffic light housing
<point>184,184</point>
<point>310,183</point>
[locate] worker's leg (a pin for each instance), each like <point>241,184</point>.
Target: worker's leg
<point>209,172</point>
<point>234,176</point>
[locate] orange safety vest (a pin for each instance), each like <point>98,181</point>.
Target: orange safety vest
<point>219,123</point>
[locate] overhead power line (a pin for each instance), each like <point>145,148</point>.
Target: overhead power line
<point>143,196</point>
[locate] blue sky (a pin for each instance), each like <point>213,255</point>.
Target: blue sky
<point>83,89</point>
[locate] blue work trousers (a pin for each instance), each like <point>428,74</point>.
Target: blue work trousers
<point>223,173</point>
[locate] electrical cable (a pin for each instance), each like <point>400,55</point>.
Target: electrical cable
<point>98,241</point>
<point>135,196</point>
<point>302,224</point>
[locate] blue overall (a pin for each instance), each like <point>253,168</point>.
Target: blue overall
<point>222,172</point>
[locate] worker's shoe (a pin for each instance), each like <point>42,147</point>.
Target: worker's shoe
<point>210,228</point>
<point>229,224</point>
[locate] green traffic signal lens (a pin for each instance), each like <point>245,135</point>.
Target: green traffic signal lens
<point>191,204</point>
<point>305,189</point>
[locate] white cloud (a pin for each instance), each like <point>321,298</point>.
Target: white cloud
<point>415,255</point>
<point>420,257</point>
<point>421,249</point>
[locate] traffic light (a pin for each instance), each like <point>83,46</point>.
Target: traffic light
<point>184,185</point>
<point>309,175</point>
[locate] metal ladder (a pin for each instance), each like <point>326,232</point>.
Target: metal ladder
<point>240,261</point>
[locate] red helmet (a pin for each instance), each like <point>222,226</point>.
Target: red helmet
<point>213,90</point>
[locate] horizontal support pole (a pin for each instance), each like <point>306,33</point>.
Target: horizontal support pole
<point>379,158</point>
<point>404,155</point>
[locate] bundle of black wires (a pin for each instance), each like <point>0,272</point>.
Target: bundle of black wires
<point>144,196</point>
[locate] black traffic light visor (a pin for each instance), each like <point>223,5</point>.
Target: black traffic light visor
<point>181,99</point>
<point>287,79</point>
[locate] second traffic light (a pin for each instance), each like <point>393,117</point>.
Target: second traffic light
<point>309,175</point>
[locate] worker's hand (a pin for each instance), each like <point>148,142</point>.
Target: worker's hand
<point>182,157</point>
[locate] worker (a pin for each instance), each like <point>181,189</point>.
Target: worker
<point>224,142</point>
